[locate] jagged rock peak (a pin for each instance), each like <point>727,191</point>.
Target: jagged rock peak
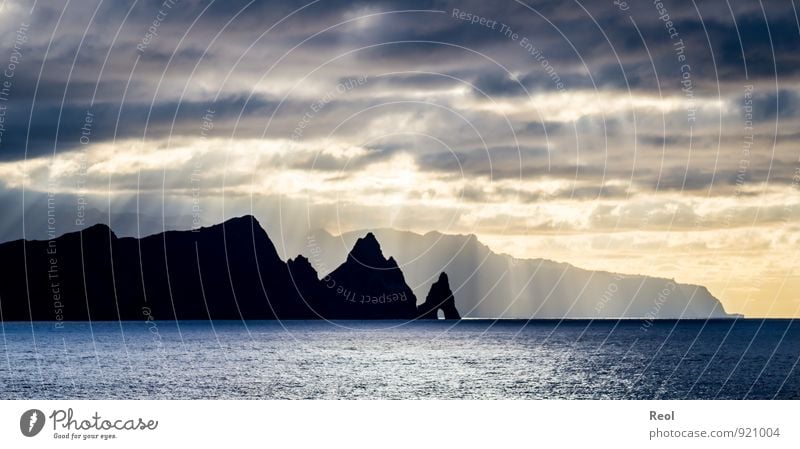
<point>367,250</point>
<point>244,220</point>
<point>440,297</point>
<point>245,223</point>
<point>301,263</point>
<point>300,269</point>
<point>98,229</point>
<point>440,291</point>
<point>300,260</point>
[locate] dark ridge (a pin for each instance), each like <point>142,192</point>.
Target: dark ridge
<point>227,271</point>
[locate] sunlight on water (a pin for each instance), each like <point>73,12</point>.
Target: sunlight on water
<point>471,359</point>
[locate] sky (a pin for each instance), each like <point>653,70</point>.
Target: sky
<point>656,138</point>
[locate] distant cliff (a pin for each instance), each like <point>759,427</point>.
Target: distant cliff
<point>491,285</point>
<point>226,271</point>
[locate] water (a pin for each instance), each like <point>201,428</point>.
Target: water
<point>751,359</point>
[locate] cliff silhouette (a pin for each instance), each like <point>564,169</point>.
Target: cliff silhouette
<point>227,271</point>
<point>488,284</point>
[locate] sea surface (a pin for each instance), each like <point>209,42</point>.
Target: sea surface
<point>479,359</point>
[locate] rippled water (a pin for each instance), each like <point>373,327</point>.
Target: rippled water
<point>471,359</point>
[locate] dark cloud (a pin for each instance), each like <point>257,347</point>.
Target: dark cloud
<point>596,48</point>
<point>510,163</point>
<point>783,105</point>
<point>345,165</point>
<point>664,140</point>
<point>542,128</point>
<point>412,80</point>
<point>768,48</point>
<point>57,129</point>
<point>498,84</point>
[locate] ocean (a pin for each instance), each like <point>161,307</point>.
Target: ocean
<point>469,359</point>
